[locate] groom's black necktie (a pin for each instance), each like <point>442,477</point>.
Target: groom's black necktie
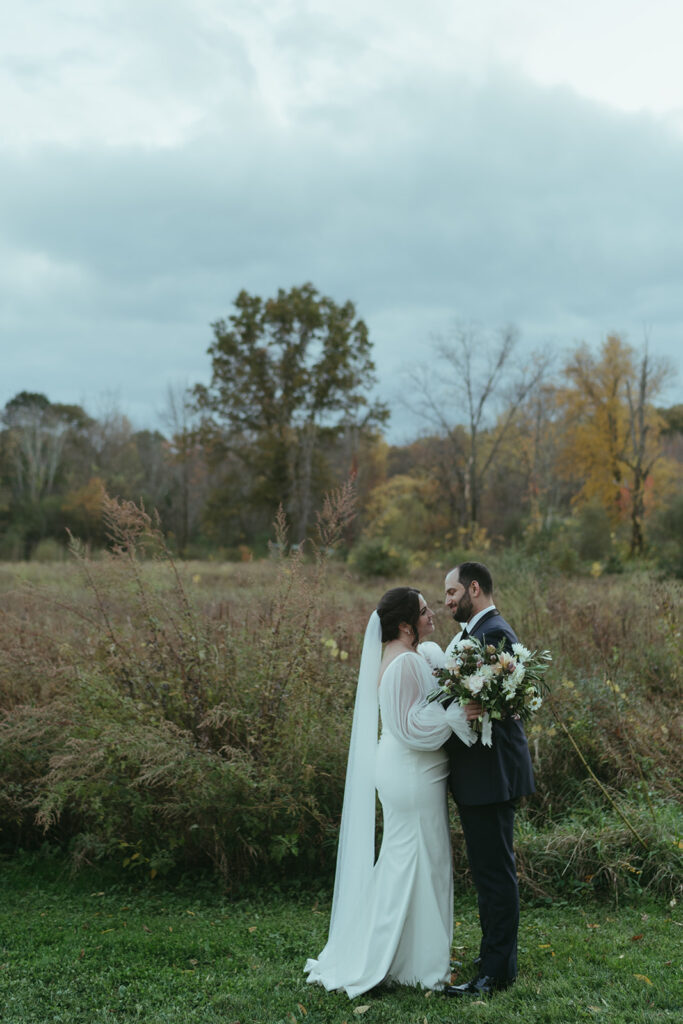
<point>464,635</point>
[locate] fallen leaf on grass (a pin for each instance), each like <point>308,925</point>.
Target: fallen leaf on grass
<point>302,1010</point>
<point>146,929</point>
<point>253,928</point>
<point>593,926</point>
<point>191,913</point>
<point>361,1009</point>
<point>643,977</point>
<point>636,938</point>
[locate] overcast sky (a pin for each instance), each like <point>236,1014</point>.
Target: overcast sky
<point>477,161</point>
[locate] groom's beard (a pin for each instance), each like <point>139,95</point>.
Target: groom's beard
<point>463,609</point>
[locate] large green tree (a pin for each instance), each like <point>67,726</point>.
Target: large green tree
<point>290,374</point>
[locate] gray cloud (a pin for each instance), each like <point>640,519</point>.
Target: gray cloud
<point>435,198</point>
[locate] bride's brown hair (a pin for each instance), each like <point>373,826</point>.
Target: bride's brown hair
<point>400,604</point>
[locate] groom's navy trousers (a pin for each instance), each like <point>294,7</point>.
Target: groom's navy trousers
<point>486,783</point>
<point>488,836</point>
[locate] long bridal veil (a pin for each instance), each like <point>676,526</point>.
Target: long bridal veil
<point>356,850</point>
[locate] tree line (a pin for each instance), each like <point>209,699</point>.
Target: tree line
<point>576,460</point>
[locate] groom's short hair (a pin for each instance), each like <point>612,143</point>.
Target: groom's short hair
<point>470,571</point>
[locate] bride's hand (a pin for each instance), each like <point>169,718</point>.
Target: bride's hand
<point>473,711</point>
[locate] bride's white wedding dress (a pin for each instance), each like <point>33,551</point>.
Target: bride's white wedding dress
<point>402,921</point>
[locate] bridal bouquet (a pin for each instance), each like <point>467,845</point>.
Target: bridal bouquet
<point>506,685</point>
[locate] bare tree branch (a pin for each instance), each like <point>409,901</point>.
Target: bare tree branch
<point>473,395</point>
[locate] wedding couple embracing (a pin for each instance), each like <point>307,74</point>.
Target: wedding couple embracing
<point>392,919</point>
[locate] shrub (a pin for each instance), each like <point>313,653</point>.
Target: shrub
<point>12,546</point>
<point>377,557</point>
<point>49,550</point>
<point>594,539</point>
<point>665,537</point>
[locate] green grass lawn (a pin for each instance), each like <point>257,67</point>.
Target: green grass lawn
<point>76,951</point>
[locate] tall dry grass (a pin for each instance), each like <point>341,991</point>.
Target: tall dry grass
<point>143,720</point>
<point>169,716</point>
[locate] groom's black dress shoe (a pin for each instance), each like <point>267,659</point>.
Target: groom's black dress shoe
<point>481,986</point>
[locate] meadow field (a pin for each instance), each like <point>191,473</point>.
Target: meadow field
<point>172,717</point>
<point>176,725</point>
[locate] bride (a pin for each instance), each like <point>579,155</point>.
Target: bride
<point>393,920</point>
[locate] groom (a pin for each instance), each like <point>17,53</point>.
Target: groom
<point>486,783</point>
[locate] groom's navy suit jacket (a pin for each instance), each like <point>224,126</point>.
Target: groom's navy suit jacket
<point>488,775</point>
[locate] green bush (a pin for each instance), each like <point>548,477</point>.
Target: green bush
<point>49,550</point>
<point>665,537</point>
<point>12,545</point>
<point>553,548</point>
<point>594,536</point>
<point>377,557</point>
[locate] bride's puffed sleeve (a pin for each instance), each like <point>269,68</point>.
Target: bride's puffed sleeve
<point>406,713</point>
<point>432,654</point>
